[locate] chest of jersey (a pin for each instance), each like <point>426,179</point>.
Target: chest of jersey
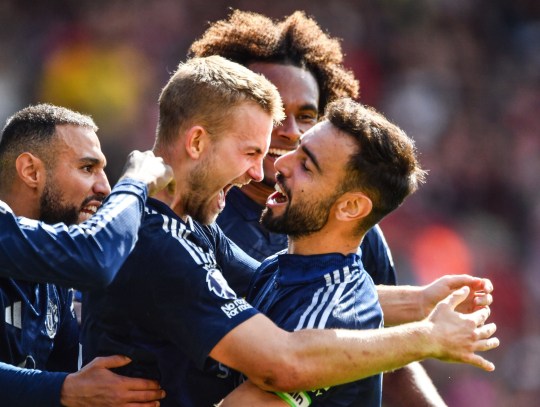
<point>32,314</point>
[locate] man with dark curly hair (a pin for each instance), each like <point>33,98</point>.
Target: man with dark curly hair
<point>306,66</point>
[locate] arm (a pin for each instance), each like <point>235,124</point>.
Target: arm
<point>403,304</point>
<point>93,386</point>
<point>277,360</point>
<point>15,382</point>
<point>96,386</point>
<point>407,380</point>
<point>411,386</point>
<point>84,256</point>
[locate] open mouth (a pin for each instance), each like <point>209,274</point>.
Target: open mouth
<point>88,211</point>
<point>223,193</point>
<point>277,198</point>
<point>277,152</point>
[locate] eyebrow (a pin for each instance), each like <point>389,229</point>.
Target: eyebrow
<point>256,150</point>
<point>311,156</point>
<point>92,161</point>
<point>309,106</point>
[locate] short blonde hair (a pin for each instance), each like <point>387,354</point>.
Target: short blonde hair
<point>204,90</point>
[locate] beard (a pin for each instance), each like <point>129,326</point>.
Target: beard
<point>53,211</point>
<point>196,203</point>
<point>299,220</point>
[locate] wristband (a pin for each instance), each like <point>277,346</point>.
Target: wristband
<point>299,399</point>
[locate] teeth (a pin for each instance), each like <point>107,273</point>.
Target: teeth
<point>277,187</point>
<point>277,151</point>
<point>92,208</point>
<point>84,216</point>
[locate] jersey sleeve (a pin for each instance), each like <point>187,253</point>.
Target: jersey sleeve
<point>238,267</point>
<point>83,256</point>
<point>15,383</point>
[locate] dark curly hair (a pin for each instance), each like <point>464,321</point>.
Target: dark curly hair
<point>247,37</point>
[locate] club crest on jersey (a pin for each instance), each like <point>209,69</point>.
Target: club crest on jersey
<point>51,321</point>
<point>218,285</point>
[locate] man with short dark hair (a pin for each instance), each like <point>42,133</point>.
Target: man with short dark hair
<point>350,171</point>
<point>51,169</point>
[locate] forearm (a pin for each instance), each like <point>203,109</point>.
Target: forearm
<point>15,384</point>
<point>281,361</point>
<point>410,386</point>
<point>327,358</point>
<point>401,304</point>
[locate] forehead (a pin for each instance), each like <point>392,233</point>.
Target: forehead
<point>79,142</point>
<point>295,85</point>
<point>249,123</point>
<point>329,145</point>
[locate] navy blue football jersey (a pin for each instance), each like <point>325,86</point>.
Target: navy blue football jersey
<point>318,292</point>
<point>169,306</point>
<point>39,330</point>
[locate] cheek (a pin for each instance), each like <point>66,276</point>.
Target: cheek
<point>268,166</point>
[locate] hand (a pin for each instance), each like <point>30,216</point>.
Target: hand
<point>458,335</point>
<point>479,295</point>
<point>146,167</point>
<point>96,386</point>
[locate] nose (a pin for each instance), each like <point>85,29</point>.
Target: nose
<point>101,184</point>
<point>289,129</point>
<point>256,172</point>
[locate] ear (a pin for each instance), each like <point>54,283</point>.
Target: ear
<point>196,141</point>
<point>353,206</point>
<point>30,170</point>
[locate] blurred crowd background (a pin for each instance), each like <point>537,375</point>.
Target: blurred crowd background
<point>462,77</point>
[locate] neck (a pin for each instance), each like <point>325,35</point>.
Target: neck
<point>22,203</point>
<point>323,242</point>
<point>257,192</point>
<point>172,195</point>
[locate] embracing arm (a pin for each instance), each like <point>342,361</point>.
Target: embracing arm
<point>15,382</point>
<point>402,304</point>
<point>83,256</point>
<point>93,386</point>
<point>277,360</point>
<point>88,255</point>
<point>249,395</point>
